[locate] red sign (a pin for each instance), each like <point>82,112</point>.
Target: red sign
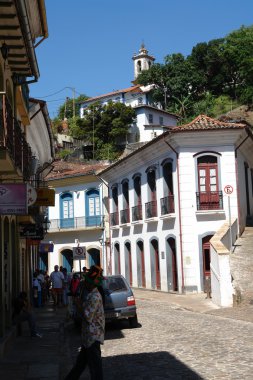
<point>228,189</point>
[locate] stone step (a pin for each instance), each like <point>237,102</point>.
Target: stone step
<point>241,264</point>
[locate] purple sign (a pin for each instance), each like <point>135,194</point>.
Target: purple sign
<point>13,199</point>
<point>46,247</point>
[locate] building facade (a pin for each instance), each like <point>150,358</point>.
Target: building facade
<point>167,200</point>
<point>23,163</point>
<point>78,219</point>
<point>150,120</point>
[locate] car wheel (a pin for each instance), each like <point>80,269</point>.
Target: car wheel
<point>133,321</point>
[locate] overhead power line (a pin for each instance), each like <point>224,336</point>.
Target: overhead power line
<point>57,92</point>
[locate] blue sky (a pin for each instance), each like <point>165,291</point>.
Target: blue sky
<point>91,42</point>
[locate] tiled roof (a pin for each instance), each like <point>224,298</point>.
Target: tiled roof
<point>203,122</point>
<point>129,89</point>
<point>155,109</point>
<point>200,123</point>
<point>63,169</point>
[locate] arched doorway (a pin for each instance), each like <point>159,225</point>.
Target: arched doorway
<point>67,259</point>
<point>141,277</point>
<point>155,265</point>
<point>43,261</point>
<point>206,261</point>
<point>93,257</point>
<point>128,263</point>
<point>172,265</point>
<point>117,267</point>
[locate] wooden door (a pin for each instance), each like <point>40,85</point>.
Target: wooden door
<point>157,263</point>
<point>208,186</point>
<point>174,264</point>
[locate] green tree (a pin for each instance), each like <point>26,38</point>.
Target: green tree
<point>70,106</point>
<point>176,83</point>
<point>105,127</point>
<point>238,51</point>
<point>220,67</point>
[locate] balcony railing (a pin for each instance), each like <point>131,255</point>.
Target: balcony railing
<point>13,139</point>
<point>114,218</point>
<point>79,222</point>
<point>151,209</point>
<point>209,200</point>
<point>124,216</point>
<point>136,213</point>
<point>167,205</point>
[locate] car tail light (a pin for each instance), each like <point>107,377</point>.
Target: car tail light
<point>130,301</point>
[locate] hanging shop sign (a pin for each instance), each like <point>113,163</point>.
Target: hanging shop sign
<point>13,199</point>
<point>46,247</point>
<point>31,195</point>
<point>32,231</point>
<point>45,197</point>
<point>79,253</point>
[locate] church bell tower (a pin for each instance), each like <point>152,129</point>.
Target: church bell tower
<point>142,61</point>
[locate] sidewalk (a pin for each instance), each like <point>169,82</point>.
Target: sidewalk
<point>197,303</point>
<point>35,358</point>
<point>193,302</point>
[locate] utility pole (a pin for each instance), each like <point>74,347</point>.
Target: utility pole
<point>65,108</point>
<point>93,132</point>
<point>74,106</point>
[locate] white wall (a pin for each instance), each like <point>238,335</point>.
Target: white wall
<point>78,192</point>
<point>66,239</point>
<point>195,224</point>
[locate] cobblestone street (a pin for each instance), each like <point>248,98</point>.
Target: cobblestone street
<point>173,343</point>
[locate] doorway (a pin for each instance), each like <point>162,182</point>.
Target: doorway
<point>117,259</point>
<point>128,263</point>
<point>141,265</point>
<point>93,257</point>
<point>67,259</point>
<point>155,265</point>
<point>172,265</point>
<point>206,262</point>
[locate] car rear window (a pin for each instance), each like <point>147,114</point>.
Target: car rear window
<point>113,284</point>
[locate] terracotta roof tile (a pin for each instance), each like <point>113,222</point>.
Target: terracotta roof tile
<point>129,89</point>
<point>62,169</point>
<point>203,122</point>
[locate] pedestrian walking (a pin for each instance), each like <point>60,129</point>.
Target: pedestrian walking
<point>57,278</point>
<point>73,288</point>
<point>41,278</point>
<point>65,287</point>
<point>93,327</point>
<point>37,298</point>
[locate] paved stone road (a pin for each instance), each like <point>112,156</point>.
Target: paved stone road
<point>172,343</point>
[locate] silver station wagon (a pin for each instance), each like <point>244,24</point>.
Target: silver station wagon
<point>118,300</point>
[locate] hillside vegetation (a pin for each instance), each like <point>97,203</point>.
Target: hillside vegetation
<point>215,78</point>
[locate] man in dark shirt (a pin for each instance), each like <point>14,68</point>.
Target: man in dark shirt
<point>22,312</point>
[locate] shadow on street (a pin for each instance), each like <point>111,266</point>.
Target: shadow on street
<point>148,366</point>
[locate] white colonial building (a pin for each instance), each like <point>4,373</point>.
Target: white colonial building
<point>78,217</point>
<point>150,120</point>
<point>168,199</point>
